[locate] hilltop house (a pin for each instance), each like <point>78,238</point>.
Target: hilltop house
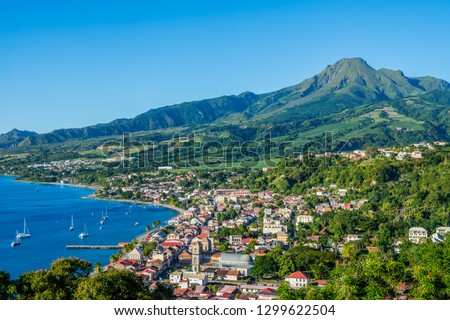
<point>297,280</point>
<point>416,234</point>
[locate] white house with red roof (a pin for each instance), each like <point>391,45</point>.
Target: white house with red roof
<point>297,280</point>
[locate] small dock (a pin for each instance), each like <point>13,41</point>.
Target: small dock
<point>94,247</point>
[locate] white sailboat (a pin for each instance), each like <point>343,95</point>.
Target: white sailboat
<point>25,233</point>
<point>84,234</point>
<point>129,211</point>
<point>103,219</point>
<point>16,241</point>
<point>106,214</point>
<point>71,228</point>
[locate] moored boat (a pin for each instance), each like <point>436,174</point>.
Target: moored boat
<point>26,233</point>
<point>84,234</point>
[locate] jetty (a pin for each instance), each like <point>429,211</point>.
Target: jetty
<point>94,247</point>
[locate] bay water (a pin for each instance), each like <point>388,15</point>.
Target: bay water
<point>48,209</point>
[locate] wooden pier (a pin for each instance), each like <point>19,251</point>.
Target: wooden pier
<point>94,247</point>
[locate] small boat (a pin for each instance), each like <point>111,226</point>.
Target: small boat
<point>106,214</point>
<point>16,242</point>
<point>37,189</point>
<point>103,219</point>
<point>101,228</point>
<point>136,223</point>
<point>26,233</point>
<point>71,228</point>
<point>84,234</point>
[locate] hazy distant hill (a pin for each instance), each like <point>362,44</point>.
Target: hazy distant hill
<point>14,137</point>
<point>341,93</point>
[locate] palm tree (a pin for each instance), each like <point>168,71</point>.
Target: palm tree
<point>115,257</point>
<point>211,288</point>
<point>98,267</point>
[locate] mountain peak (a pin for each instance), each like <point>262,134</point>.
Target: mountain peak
<point>351,61</point>
<point>349,65</point>
<point>14,137</point>
<point>16,131</point>
<point>348,83</point>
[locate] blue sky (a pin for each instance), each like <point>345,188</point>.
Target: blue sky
<point>70,64</point>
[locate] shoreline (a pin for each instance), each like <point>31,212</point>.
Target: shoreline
<point>142,236</point>
<point>97,187</point>
<point>177,210</point>
<point>84,186</point>
<point>138,234</point>
<point>167,206</point>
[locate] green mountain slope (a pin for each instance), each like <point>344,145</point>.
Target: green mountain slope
<point>347,83</point>
<point>341,93</point>
<point>14,137</point>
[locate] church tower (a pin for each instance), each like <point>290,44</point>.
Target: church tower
<point>196,252</point>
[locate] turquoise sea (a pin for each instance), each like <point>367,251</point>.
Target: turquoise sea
<point>48,209</point>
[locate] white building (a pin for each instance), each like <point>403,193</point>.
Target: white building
<point>235,240</point>
<point>416,155</point>
<point>232,261</point>
<point>297,280</point>
<point>352,237</point>
<point>196,278</point>
<point>273,226</point>
<point>176,277</point>
<point>417,233</point>
<point>443,230</point>
<point>135,254</point>
<point>304,218</point>
<point>440,234</point>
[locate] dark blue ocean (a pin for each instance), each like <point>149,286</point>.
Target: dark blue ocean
<point>48,209</point>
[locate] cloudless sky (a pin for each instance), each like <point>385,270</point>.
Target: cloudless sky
<point>67,64</point>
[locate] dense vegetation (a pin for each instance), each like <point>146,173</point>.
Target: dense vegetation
<point>419,272</point>
<point>400,194</point>
<point>69,279</point>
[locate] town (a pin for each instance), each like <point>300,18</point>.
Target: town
<point>223,241</point>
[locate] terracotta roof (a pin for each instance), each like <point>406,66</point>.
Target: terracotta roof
<point>259,253</point>
<point>156,260</point>
<point>228,289</point>
<point>233,273</point>
<point>401,286</point>
<point>248,240</point>
<point>216,256</point>
<point>180,292</point>
<point>297,275</point>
